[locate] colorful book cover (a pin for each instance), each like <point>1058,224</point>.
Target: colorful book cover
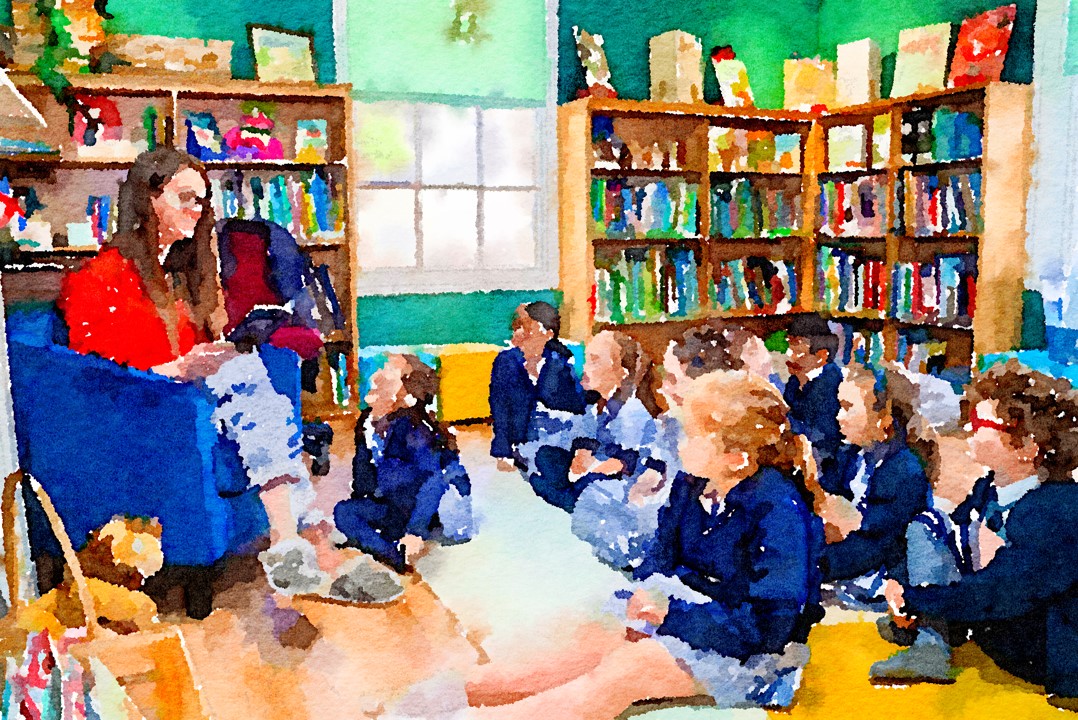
<point>982,47</point>
<point>921,64</point>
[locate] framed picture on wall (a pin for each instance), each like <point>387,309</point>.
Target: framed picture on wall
<point>282,55</point>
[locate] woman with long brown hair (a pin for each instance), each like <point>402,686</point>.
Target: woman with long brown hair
<point>151,300</point>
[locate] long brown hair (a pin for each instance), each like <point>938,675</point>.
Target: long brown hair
<point>190,269</point>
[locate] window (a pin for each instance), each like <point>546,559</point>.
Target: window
<point>452,198</point>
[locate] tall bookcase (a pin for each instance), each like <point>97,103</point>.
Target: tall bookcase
<point>656,215</point>
<point>66,177</point>
<point>921,195</point>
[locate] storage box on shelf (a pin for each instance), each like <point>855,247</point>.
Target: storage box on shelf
<point>274,152</point>
<point>902,218</point>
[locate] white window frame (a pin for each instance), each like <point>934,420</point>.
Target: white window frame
<point>543,275</point>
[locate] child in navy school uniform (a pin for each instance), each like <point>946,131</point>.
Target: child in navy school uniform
<point>408,484</point>
<point>533,385</point>
<point>616,473</point>
<point>730,585</point>
<point>812,390</point>
<point>940,549</point>
<point>608,438</point>
<point>1021,600</point>
<point>881,487</point>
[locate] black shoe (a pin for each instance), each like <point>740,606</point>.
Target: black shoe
<point>894,634</point>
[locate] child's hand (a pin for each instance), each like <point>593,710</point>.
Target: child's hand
<point>609,467</point>
<point>840,517</point>
<point>643,607</point>
<point>415,547</point>
<point>583,462</point>
<point>988,544</point>
<point>506,465</point>
<point>892,591</point>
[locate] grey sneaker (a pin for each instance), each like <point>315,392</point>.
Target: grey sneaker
<point>292,567</point>
<point>926,662</point>
<point>365,580</point>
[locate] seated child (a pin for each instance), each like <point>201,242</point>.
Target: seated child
<point>408,485</point>
<point>940,547</point>
<point>117,560</point>
<point>615,472</point>
<point>812,389</point>
<point>607,440</point>
<point>531,380</point>
<point>879,488</point>
<point>731,587</point>
<point>1020,598</point>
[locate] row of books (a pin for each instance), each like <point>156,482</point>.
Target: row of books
<point>308,203</point>
<point>664,208</point>
<point>943,204</point>
<point>646,285</point>
<point>754,284</point>
<point>853,208</point>
<point>922,354</point>
<point>847,283</point>
<point>742,208</point>
<point>941,292</point>
<point>943,135</point>
<point>862,345</point>
<point>737,150</point>
<point>848,146</point>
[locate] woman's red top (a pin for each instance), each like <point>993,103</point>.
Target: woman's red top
<point>109,312</point>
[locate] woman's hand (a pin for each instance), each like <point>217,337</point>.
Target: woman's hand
<point>645,607</point>
<point>201,361</point>
<point>609,467</point>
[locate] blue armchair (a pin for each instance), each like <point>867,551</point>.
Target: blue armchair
<point>104,440</point>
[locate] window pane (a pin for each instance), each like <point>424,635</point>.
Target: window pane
<point>449,145</point>
<point>450,239</point>
<point>386,227</point>
<point>385,140</point>
<point>509,149</point>
<point>509,228</point>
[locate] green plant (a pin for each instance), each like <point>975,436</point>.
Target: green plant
<point>58,48</point>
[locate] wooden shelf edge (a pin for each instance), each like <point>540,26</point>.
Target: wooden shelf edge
<point>188,87</point>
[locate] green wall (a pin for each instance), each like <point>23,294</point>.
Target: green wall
<point>402,49</point>
<point>763,33</point>
<point>444,318</point>
<point>224,20</point>
<point>844,21</point>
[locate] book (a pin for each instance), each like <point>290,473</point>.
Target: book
<point>881,141</point>
<point>204,141</point>
<point>956,135</point>
<point>740,150</point>
<point>676,62</point>
<point>982,47</point>
<point>938,205</point>
<point>848,283</point>
<point>733,78</point>
<point>808,84</point>
<point>921,63</point>
<point>743,209</point>
<point>632,209</point>
<point>846,147</point>
<point>941,292</point>
<point>312,141</point>
<point>858,73</point>
<point>308,203</point>
<point>852,208</point>
<point>754,284</point>
<point>646,284</point>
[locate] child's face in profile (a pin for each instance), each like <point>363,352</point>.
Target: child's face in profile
<point>675,382</point>
<point>856,419</point>
<point>957,472</point>
<point>992,445</point>
<point>802,359</point>
<point>529,334</point>
<point>603,372</point>
<point>387,388</point>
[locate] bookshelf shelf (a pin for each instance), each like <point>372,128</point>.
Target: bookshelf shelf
<point>642,173</point>
<point>152,109</point>
<point>609,242</point>
<point>969,251</point>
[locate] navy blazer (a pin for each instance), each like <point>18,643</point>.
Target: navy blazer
<point>755,558</point>
<point>897,492</point>
<point>408,481</point>
<point>1024,603</point>
<point>514,397</point>
<point>814,408</point>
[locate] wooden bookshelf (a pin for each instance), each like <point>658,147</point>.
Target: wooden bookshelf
<point>65,177</point>
<point>995,245</point>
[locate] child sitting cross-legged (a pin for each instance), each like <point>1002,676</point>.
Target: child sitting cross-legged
<point>408,485</point>
<point>117,560</point>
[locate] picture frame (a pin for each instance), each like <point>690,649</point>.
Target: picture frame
<point>282,55</point>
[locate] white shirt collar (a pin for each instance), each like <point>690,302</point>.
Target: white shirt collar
<point>1010,494</point>
<point>813,374</point>
<point>944,505</point>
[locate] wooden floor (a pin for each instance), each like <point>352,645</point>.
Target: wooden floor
<point>505,595</point>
